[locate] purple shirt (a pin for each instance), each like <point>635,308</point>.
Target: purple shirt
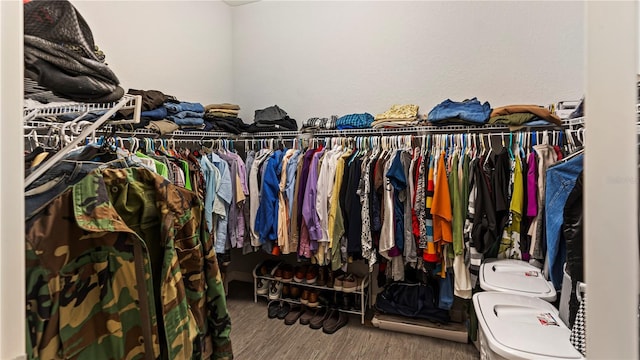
<point>304,243</point>
<point>532,186</point>
<point>309,211</point>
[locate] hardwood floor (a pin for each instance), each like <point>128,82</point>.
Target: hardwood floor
<point>255,336</point>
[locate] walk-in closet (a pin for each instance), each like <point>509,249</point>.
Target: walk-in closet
<point>323,179</point>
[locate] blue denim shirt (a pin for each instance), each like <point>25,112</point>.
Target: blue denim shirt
<point>225,193</point>
<point>210,185</point>
<point>289,187</point>
<point>561,178</point>
<point>469,110</point>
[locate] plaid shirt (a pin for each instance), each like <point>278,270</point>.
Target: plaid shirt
<point>354,121</point>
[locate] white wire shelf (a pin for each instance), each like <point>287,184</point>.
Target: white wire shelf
<point>132,102</point>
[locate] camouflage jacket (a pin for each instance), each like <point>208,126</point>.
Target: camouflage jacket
<point>118,267</point>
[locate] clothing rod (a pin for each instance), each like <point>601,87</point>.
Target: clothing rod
<point>85,133</point>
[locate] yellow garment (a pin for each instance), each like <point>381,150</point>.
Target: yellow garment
<point>283,212</point>
<point>399,112</point>
<point>333,208</point>
<point>39,158</point>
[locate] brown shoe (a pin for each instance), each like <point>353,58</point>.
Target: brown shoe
<point>349,283</point>
<point>337,282</point>
<point>300,273</point>
<point>294,292</point>
<point>278,274</point>
<point>321,315</point>
<point>286,291</point>
<point>313,299</point>
<point>287,273</point>
<point>330,278</point>
<point>305,297</point>
<point>307,315</point>
<point>335,321</point>
<point>322,276</point>
<point>312,274</point>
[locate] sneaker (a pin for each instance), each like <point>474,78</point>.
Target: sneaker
<point>319,318</point>
<point>312,275</point>
<point>285,307</point>
<point>272,309</point>
<point>337,282</point>
<point>294,314</point>
<point>349,283</point>
<point>262,287</point>
<point>275,290</point>
<point>337,320</point>
<point>313,299</point>
<point>306,316</point>
<point>305,297</point>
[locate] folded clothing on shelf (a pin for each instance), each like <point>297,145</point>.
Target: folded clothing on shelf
<point>354,121</point>
<point>399,112</point>
<point>539,111</point>
<point>271,119</point>
<point>316,123</point>
<point>467,112</point>
<point>233,125</point>
<point>60,54</point>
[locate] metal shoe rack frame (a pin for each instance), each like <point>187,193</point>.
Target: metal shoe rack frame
<point>365,291</point>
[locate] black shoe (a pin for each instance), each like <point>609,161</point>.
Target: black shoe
<point>347,302</point>
<point>273,309</point>
<point>284,310</point>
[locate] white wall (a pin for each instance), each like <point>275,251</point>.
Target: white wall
<point>317,58</point>
<point>182,48</point>
<point>12,261</point>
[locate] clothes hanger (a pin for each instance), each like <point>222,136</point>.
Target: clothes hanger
<point>511,156</point>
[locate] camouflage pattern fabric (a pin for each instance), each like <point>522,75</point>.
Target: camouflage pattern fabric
<point>118,268</point>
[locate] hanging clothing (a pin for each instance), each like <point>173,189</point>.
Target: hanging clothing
<point>123,228</point>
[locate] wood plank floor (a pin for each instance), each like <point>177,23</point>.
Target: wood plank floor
<point>255,336</point>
